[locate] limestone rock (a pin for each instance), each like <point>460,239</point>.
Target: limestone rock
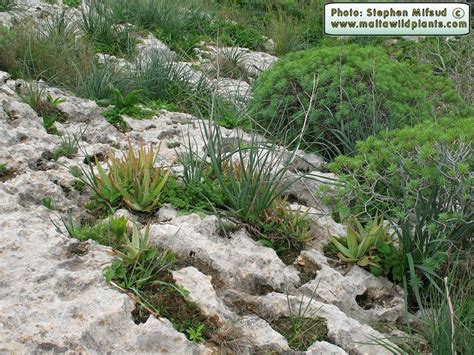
<point>383,300</point>
<point>151,46</point>
<point>325,348</point>
<point>53,296</point>
<point>202,293</point>
<point>260,335</point>
<point>347,333</point>
<point>259,267</point>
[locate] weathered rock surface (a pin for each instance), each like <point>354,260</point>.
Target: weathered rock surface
<point>54,298</point>
<point>259,268</point>
<point>347,333</point>
<point>324,348</point>
<point>251,332</point>
<point>380,299</point>
<point>202,293</point>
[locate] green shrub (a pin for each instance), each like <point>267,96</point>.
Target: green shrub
<point>359,92</point>
<point>420,179</point>
<point>389,172</point>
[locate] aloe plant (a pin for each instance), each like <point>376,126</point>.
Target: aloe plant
<point>132,179</point>
<point>360,242</point>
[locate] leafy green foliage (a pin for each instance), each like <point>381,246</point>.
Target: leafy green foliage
<point>132,179</point>
<point>292,25</point>
<point>123,105</point>
<point>359,92</point>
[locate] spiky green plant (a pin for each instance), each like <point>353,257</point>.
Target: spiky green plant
<point>360,240</point>
<point>132,179</point>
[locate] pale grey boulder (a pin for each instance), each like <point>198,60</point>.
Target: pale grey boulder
<point>383,301</point>
<point>197,239</point>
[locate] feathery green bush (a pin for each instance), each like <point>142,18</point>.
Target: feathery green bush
<point>391,172</point>
<point>359,91</point>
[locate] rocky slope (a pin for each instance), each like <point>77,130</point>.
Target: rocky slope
<point>53,296</point>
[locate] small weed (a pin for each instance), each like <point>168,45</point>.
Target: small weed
<point>47,202</point>
<point>44,105</point>
<point>5,172</point>
<point>78,185</point>
<point>3,169</point>
<point>302,327</point>
<point>76,171</point>
<point>195,334</point>
<point>68,146</point>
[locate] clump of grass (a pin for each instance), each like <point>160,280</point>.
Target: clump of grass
<point>101,80</point>
<point>7,5</point>
<point>51,53</point>
<point>227,64</point>
<point>68,146</point>
<point>101,28</point>
<point>302,327</point>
